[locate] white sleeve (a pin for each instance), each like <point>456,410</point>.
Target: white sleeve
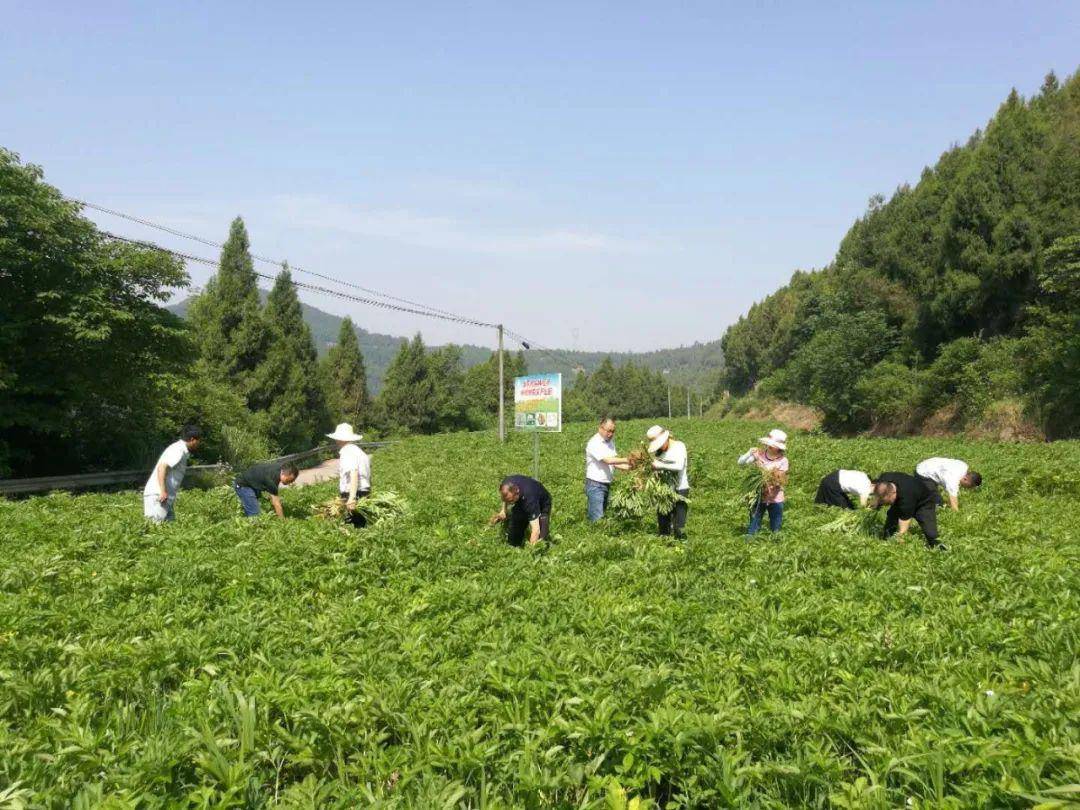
<point>952,476</point>
<point>591,450</point>
<point>174,454</point>
<point>746,458</point>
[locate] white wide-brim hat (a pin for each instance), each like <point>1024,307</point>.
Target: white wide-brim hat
<point>657,436</point>
<point>776,439</point>
<point>344,433</point>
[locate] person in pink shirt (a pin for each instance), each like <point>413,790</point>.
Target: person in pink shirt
<point>771,456</point>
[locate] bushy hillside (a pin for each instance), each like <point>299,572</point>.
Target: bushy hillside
<point>957,295</point>
<point>224,663</point>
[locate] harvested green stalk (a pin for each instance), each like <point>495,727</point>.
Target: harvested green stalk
<point>644,490</point>
<point>379,507</point>
<point>755,480</point>
<point>855,523</point>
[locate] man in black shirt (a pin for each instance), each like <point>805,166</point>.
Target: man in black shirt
<point>908,497</point>
<point>263,478</point>
<point>532,509</point>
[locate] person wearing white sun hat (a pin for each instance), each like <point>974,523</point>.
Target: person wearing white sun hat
<point>772,457</point>
<point>671,457</point>
<point>354,470</point>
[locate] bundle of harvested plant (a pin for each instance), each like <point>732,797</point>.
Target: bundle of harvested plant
<point>376,508</point>
<point>644,490</point>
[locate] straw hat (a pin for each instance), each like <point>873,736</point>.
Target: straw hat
<point>344,433</point>
<point>657,436</point>
<point>776,439</point>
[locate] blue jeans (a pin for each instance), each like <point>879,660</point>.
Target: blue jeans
<point>596,498</point>
<point>776,517</point>
<point>249,501</point>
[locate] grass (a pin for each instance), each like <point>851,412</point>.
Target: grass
<point>230,663</point>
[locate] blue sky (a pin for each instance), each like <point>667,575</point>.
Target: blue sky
<point>595,175</point>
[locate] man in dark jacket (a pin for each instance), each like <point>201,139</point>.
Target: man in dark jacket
<point>908,497</point>
<point>532,509</point>
<point>263,478</point>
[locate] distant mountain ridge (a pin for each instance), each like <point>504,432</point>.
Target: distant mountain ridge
<point>696,364</point>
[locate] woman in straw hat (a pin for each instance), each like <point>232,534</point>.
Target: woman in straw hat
<point>671,456</point>
<point>771,456</point>
<point>354,470</point>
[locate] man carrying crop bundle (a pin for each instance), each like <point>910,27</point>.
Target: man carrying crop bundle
<point>532,509</point>
<point>908,497</point>
<point>263,478</point>
<point>354,471</point>
<point>673,459</point>
<point>159,494</point>
<point>601,461</point>
<point>950,474</point>
<point>837,487</point>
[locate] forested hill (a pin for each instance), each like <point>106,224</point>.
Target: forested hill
<point>954,301</point>
<point>697,364</point>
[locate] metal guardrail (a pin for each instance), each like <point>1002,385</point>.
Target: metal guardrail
<point>27,486</point>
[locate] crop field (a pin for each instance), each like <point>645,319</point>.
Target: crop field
<point>219,662</point>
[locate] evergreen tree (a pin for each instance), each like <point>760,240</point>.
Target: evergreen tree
<point>405,403</point>
<point>482,387</point>
<point>232,335</point>
<point>286,384</point>
<point>344,379</point>
<point>449,403</point>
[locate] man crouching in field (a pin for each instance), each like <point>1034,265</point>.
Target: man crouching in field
<point>907,497</point>
<point>263,478</point>
<point>532,508</point>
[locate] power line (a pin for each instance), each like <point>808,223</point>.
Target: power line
<point>266,260</point>
<point>311,287</point>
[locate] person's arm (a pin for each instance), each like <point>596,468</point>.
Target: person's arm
<point>904,525</point>
<point>276,502</point>
<point>499,516</point>
<point>616,461</point>
<point>534,531</point>
<point>162,470</point>
<point>354,482</point>
<point>674,464</point>
<point>747,458</point>
<point>954,503</point>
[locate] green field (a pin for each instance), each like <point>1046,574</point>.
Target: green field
<point>219,663</point>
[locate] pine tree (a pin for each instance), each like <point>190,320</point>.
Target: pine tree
<point>232,335</point>
<point>405,403</point>
<point>344,379</point>
<point>286,385</point>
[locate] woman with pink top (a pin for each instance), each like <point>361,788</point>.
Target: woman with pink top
<point>772,457</point>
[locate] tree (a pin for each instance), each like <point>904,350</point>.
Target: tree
<point>482,388</point>
<point>84,344</point>
<point>233,336</point>
<point>344,379</point>
<point>286,384</point>
<point>405,403</point>
<point>449,403</point>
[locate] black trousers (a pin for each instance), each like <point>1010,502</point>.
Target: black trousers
<point>932,486</point>
<point>829,492</point>
<point>674,522</point>
<point>925,516</point>
<point>517,526</point>
<point>357,520</point>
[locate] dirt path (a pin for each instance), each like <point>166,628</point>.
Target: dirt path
<point>326,471</point>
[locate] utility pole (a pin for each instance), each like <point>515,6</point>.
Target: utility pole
<point>502,389</point>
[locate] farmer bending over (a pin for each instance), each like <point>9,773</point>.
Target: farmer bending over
<point>837,487</point>
<point>532,509</point>
<point>263,478</point>
<point>354,471</point>
<point>950,474</point>
<point>159,494</point>
<point>908,497</point>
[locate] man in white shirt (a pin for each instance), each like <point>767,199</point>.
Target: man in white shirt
<point>671,456</point>
<point>950,474</point>
<point>354,470</point>
<point>159,494</point>
<point>601,461</point>
<point>836,488</point>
